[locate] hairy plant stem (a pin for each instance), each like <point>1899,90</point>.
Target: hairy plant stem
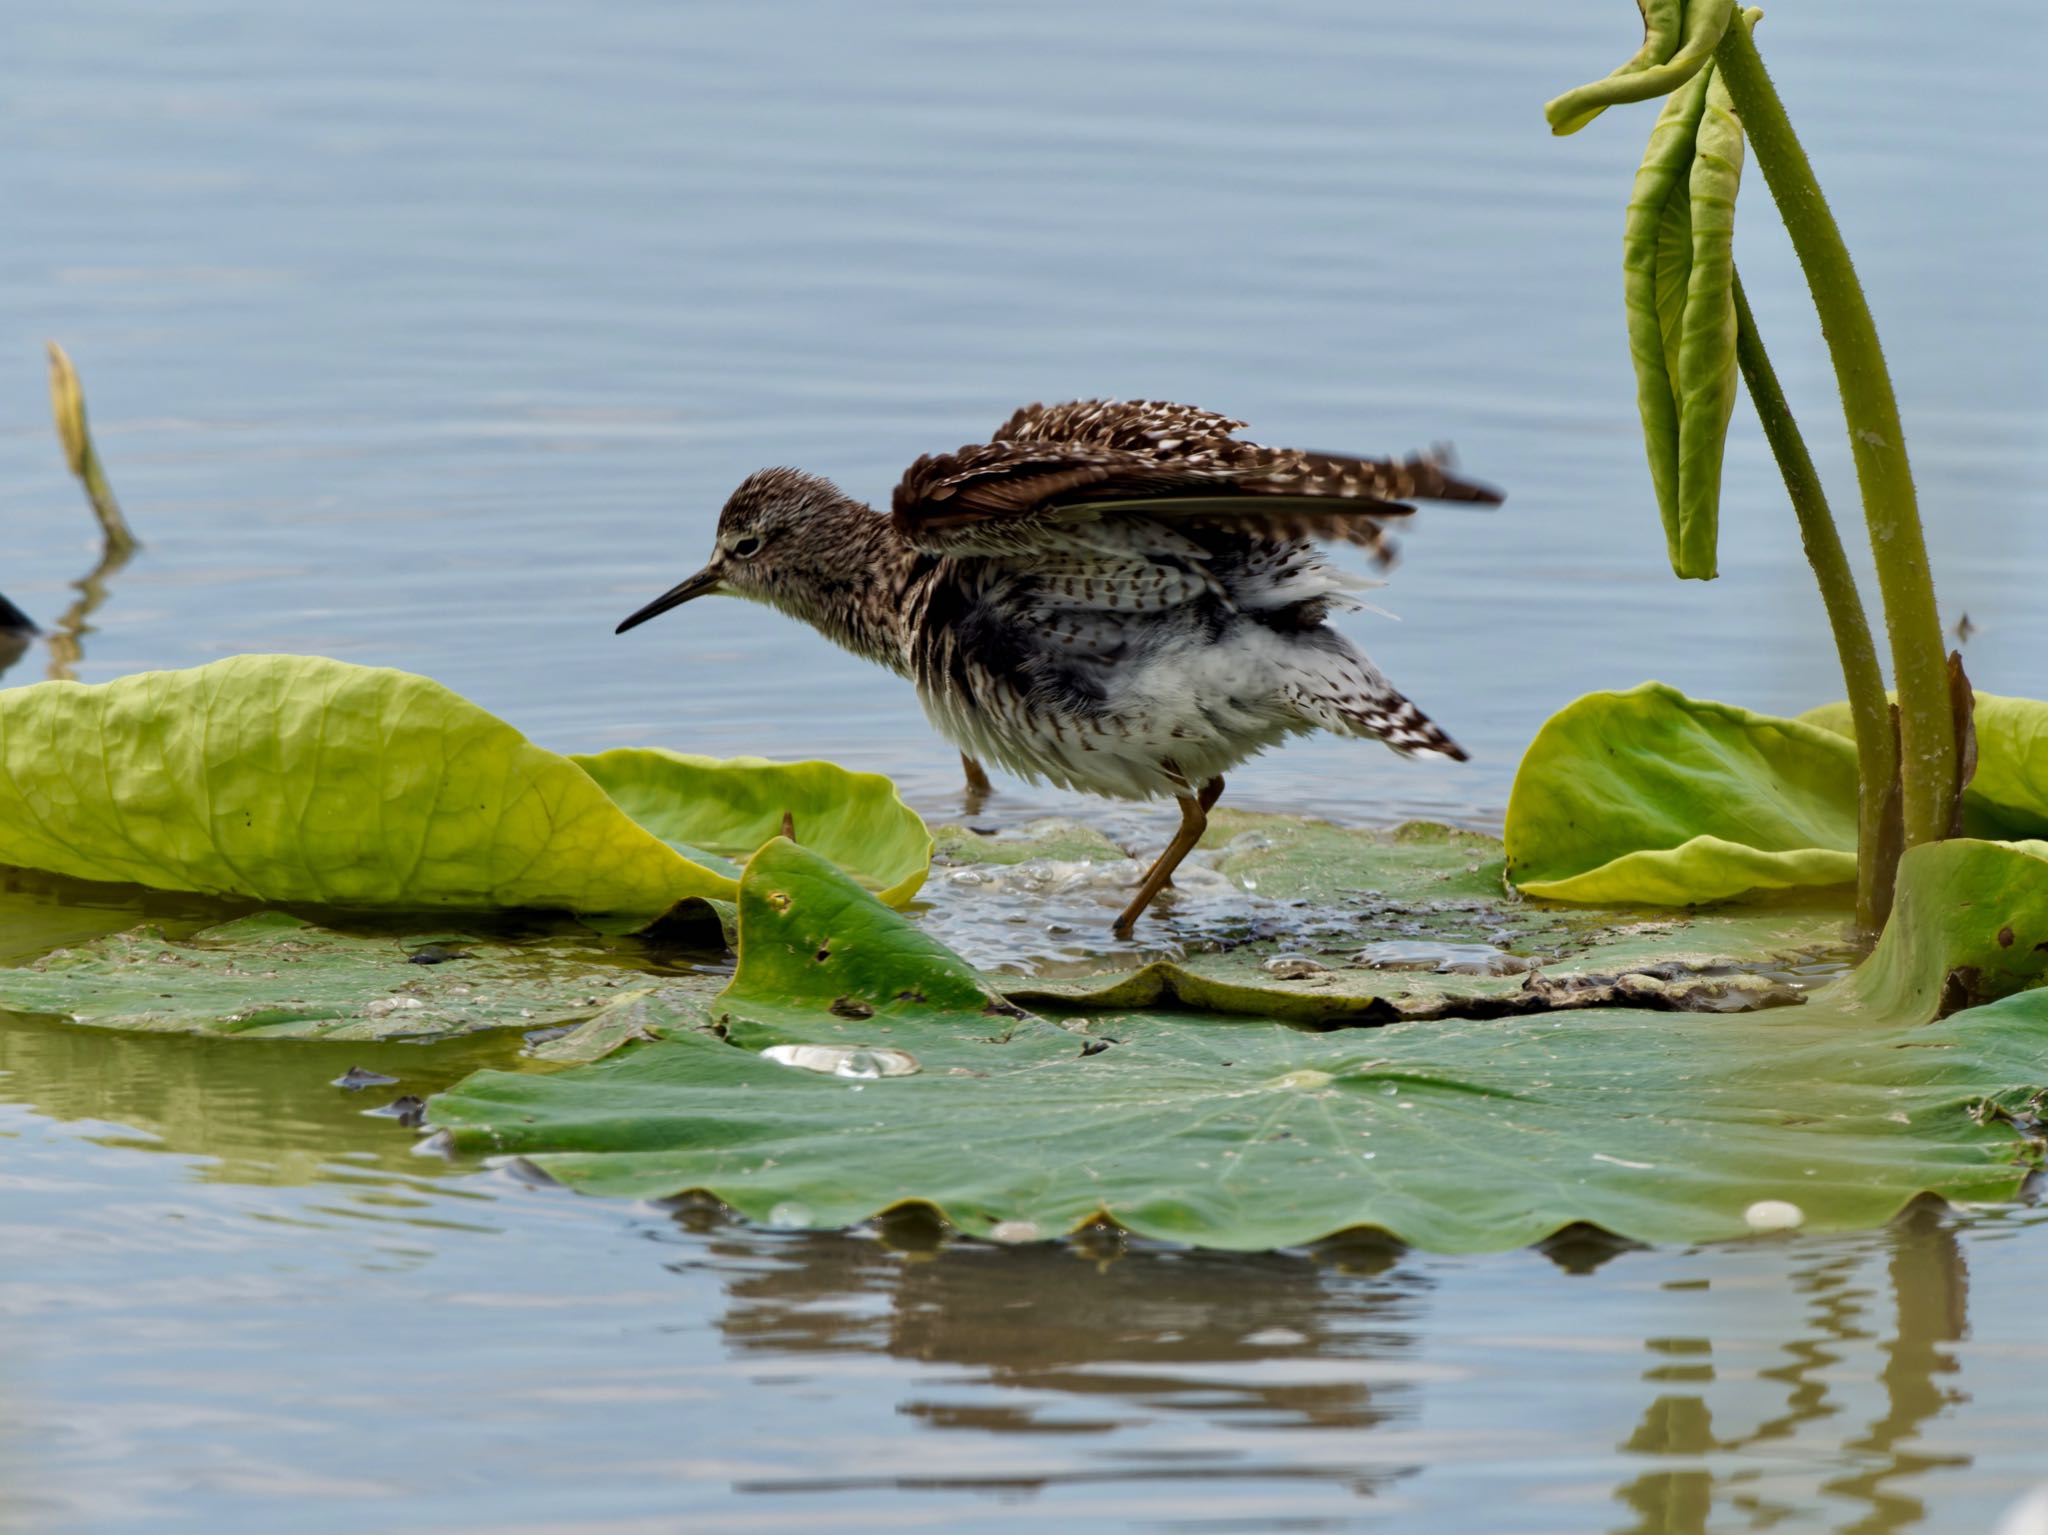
<point>1927,760</point>
<point>1876,758</point>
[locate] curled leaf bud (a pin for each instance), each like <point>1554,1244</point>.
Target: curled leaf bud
<point>67,401</point>
<point>1677,42</point>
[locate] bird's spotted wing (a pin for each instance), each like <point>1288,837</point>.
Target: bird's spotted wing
<point>1053,470</point>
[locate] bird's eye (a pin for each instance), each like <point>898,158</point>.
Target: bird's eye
<point>747,548</point>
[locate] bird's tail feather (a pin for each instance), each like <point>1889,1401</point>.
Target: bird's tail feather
<point>1351,698</point>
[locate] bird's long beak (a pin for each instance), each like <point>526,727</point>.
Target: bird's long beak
<point>703,582</point>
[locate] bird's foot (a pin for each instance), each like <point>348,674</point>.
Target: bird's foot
<point>978,787</point>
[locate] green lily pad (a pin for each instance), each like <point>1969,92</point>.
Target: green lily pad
<point>274,976</point>
<point>1650,796</point>
<point>1970,923</point>
<point>896,1079</point>
<point>715,811</point>
<point>1418,922</point>
<point>300,779</point>
<point>2008,796</point>
<point>1055,837</point>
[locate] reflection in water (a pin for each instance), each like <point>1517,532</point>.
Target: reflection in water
<point>1085,1340</point>
<point>67,642</point>
<point>17,631</point>
<point>256,1112</point>
<point>1929,1294</point>
<point>1076,1348</point>
<point>67,647</point>
<point>902,1375</point>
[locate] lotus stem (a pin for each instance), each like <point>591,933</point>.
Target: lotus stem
<point>1927,758</point>
<point>67,403</point>
<point>1876,762</point>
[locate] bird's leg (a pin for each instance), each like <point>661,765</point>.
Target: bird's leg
<point>978,786</point>
<point>1194,820</point>
<point>1212,791</point>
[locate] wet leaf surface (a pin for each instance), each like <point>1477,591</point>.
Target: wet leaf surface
<point>1352,925</point>
<point>1454,1135</point>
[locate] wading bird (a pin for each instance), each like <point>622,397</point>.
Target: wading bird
<point>1118,596</point>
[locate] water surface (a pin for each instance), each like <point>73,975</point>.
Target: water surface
<point>435,337</point>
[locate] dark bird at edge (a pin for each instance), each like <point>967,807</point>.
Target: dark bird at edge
<point>1117,596</point>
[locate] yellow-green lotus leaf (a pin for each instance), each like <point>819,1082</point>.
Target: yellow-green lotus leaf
<point>1650,796</point>
<point>298,779</point>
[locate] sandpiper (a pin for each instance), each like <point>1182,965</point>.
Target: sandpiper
<point>1117,596</point>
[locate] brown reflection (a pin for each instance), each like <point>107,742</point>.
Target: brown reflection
<point>260,1112</point>
<point>1265,1341</point>
<point>1929,1284</point>
<point>67,647</point>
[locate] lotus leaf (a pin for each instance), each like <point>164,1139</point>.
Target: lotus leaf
<point>1455,1135</point>
<point>1970,923</point>
<point>301,779</point>
<point>1650,796</point>
<point>715,810</point>
<point>2008,795</point>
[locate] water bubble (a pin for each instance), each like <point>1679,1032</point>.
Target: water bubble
<point>864,1062</point>
<point>1307,1080</point>
<point>1014,1231</point>
<point>1774,1215</point>
<point>792,1215</point>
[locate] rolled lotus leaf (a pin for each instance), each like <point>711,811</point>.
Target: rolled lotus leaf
<point>1656,261</point>
<point>1707,371</point>
<point>1678,285</point>
<point>1656,69</point>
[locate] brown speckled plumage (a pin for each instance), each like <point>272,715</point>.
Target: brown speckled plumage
<point>1119,596</point>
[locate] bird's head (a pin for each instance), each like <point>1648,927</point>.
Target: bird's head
<point>775,545</point>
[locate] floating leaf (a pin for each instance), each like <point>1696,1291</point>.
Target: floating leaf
<point>1455,1136</point>
<point>1650,796</point>
<point>716,810</point>
<point>1054,837</point>
<point>1969,924</point>
<point>1418,922</point>
<point>2008,796</point>
<point>273,976</point>
<point>300,779</point>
